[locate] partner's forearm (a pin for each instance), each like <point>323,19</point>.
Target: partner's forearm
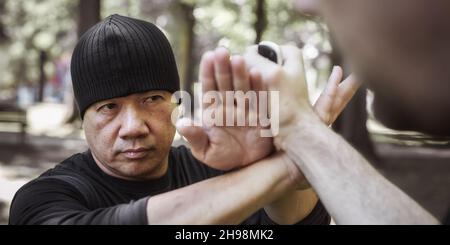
<point>350,188</point>
<point>227,199</point>
<point>292,207</point>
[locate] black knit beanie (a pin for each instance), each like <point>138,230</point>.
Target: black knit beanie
<point>121,56</point>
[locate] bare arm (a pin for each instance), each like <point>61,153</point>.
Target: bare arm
<point>231,147</point>
<point>218,71</point>
<point>349,187</point>
<point>296,205</point>
<point>227,199</point>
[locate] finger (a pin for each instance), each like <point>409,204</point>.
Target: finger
<point>256,81</point>
<point>325,103</point>
<point>348,88</point>
<point>293,59</point>
<point>222,67</point>
<point>335,77</point>
<point>206,72</point>
<point>258,86</point>
<point>329,93</point>
<point>196,136</point>
<point>345,93</point>
<point>240,75</point>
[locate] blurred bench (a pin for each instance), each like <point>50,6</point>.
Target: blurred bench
<point>10,113</point>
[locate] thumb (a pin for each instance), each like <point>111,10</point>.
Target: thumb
<point>195,135</point>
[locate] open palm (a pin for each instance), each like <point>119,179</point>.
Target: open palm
<point>228,147</point>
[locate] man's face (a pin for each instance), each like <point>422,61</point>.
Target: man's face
<point>401,50</point>
<point>130,137</point>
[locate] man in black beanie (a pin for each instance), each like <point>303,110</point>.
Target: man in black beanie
<point>124,74</point>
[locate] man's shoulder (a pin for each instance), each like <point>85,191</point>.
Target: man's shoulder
<point>71,166</point>
<point>63,179</point>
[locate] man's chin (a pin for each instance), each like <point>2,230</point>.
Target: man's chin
<point>143,168</point>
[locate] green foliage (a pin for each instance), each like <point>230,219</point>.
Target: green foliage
<point>225,23</point>
<point>50,25</point>
<point>230,24</point>
<point>32,26</point>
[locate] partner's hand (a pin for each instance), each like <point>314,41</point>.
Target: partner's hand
<point>335,96</point>
<point>229,147</point>
<point>289,80</point>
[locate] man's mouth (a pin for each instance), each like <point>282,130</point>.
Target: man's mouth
<point>136,153</point>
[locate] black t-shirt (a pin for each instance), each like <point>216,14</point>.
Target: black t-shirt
<point>447,218</point>
<point>77,191</point>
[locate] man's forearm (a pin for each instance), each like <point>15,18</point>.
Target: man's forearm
<point>227,199</point>
<point>349,187</point>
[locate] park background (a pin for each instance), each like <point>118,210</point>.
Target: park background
<point>39,123</point>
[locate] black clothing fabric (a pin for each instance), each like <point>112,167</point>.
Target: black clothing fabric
<point>78,192</point>
<point>121,56</point>
<point>447,218</point>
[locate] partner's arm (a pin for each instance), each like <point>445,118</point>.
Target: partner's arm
<point>296,205</point>
<point>349,187</point>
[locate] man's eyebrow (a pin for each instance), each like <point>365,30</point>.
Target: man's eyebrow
<point>103,102</point>
<point>152,93</point>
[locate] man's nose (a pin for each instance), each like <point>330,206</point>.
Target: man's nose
<point>133,125</point>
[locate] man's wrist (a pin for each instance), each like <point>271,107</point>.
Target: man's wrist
<point>297,122</point>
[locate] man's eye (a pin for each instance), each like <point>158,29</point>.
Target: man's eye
<point>154,98</point>
<point>107,107</point>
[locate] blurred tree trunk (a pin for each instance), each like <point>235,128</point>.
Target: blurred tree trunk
<point>187,42</point>
<point>3,36</point>
<point>351,124</point>
<point>42,77</point>
<point>261,20</point>
<point>88,15</point>
<point>182,14</point>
